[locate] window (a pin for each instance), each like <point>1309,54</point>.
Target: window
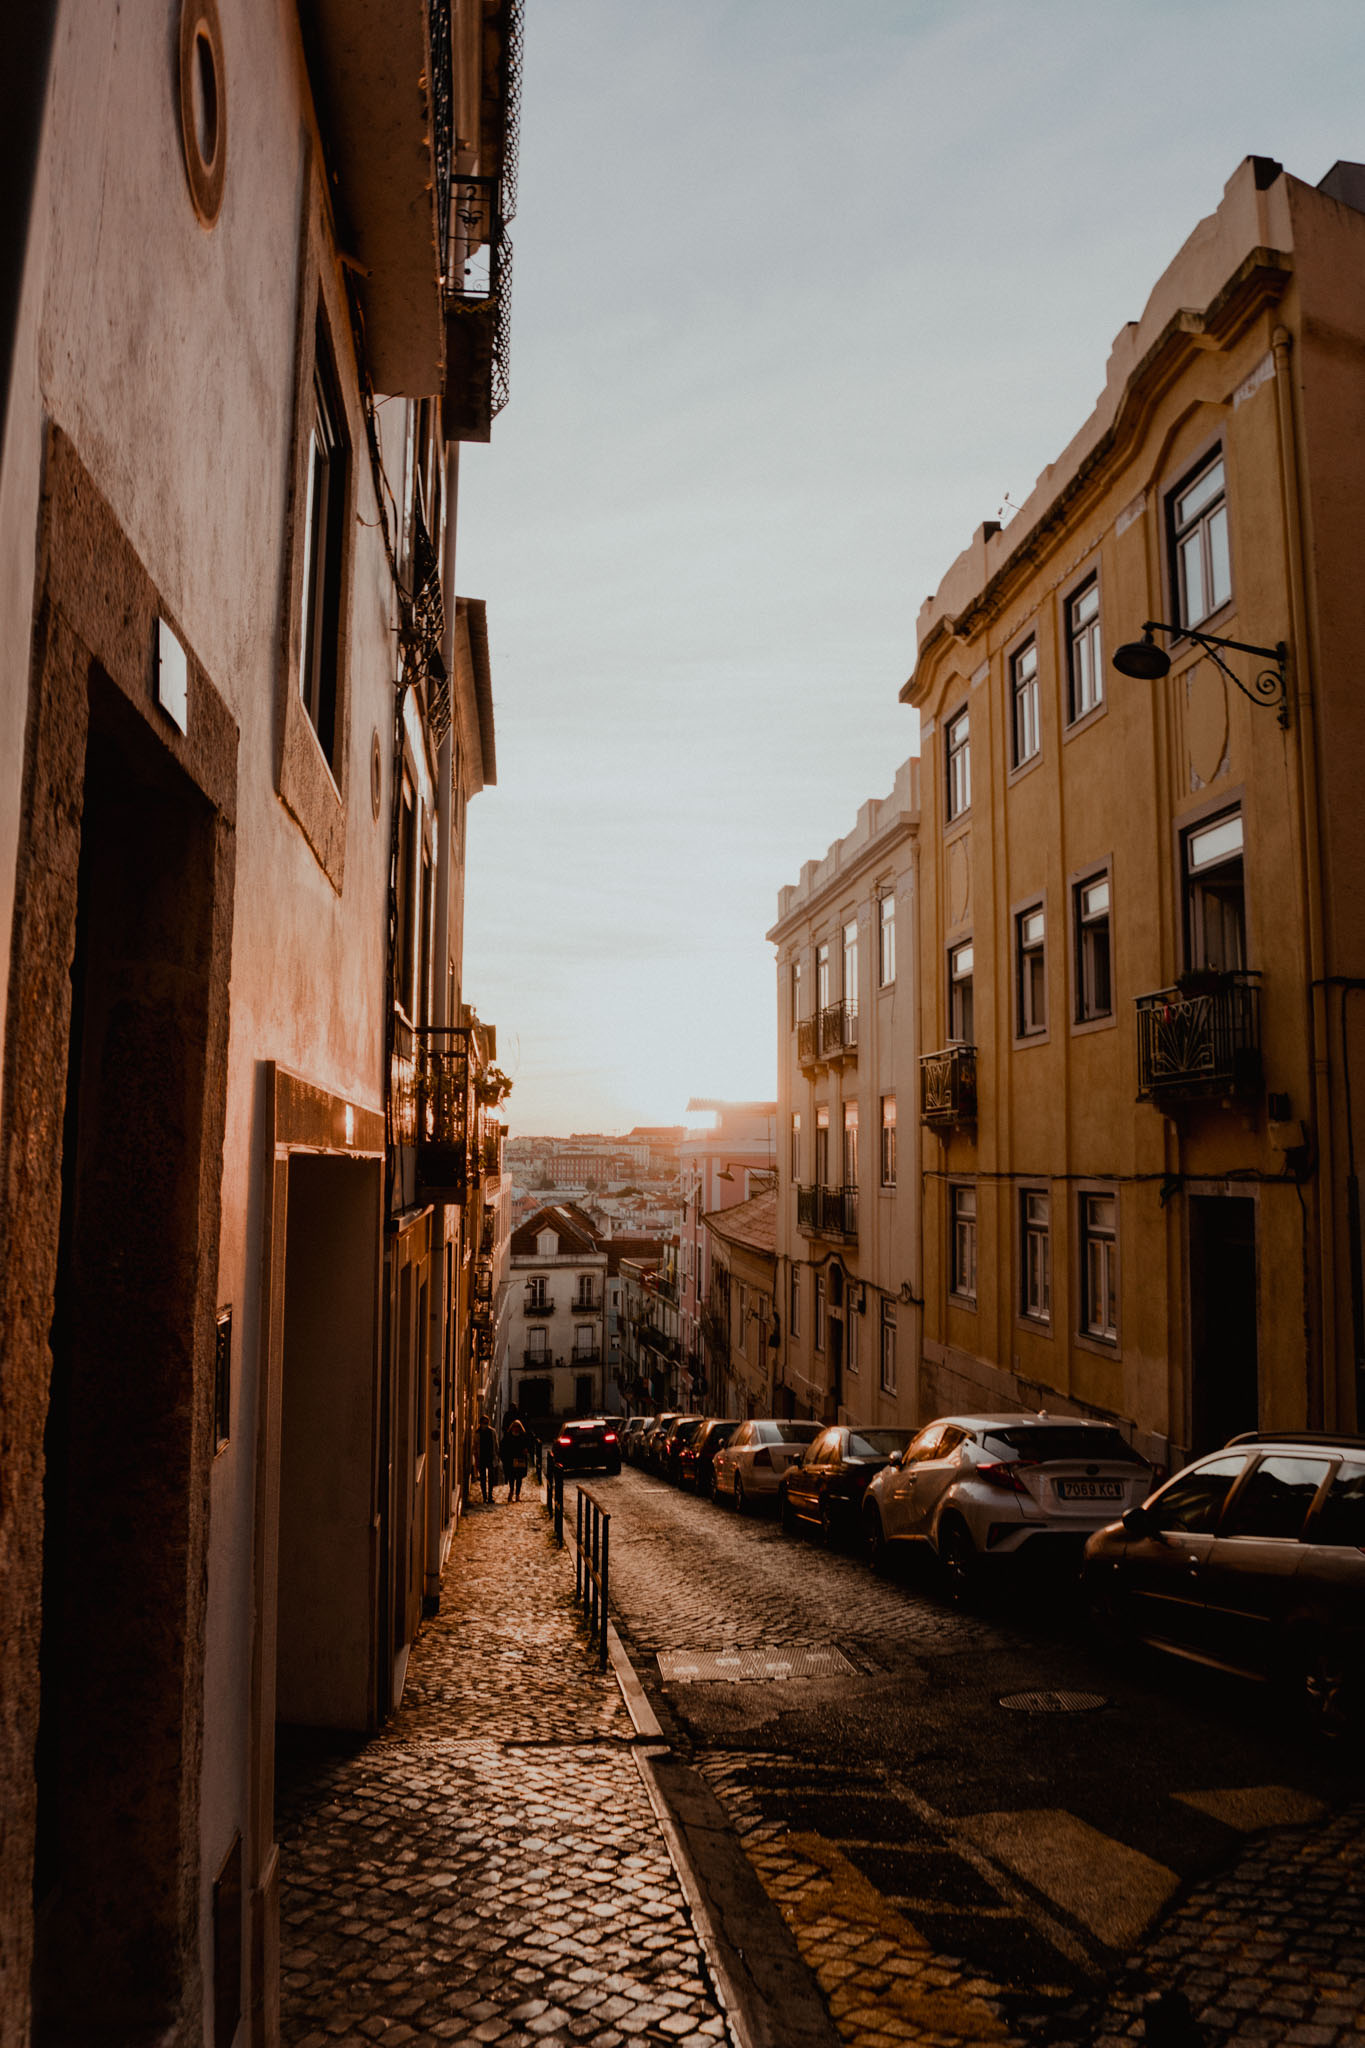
<point>1085,676</point>
<point>795,1315</point>
<point>819,1311</point>
<point>886,940</point>
<point>960,967</point>
<point>536,1341</point>
<point>888,1347</point>
<point>1100,1267</point>
<point>1276,1499</point>
<point>1215,898</point>
<point>796,1149</point>
<point>324,523</point>
<point>1024,702</point>
<point>962,1208</point>
<point>1342,1516</point>
<point>1035,1255</point>
<point>958,754</point>
<point>851,961</point>
<point>584,1340</point>
<point>851,1340</point>
<point>822,976</point>
<point>405,892</point>
<point>1094,996</point>
<point>888,1141</point>
<point>1194,1501</point>
<point>796,993</point>
<point>1030,972</point>
<point>535,1292</point>
<point>850,1144</point>
<point>822,1147</point>
<point>1198,525</point>
<point>585,1296</point>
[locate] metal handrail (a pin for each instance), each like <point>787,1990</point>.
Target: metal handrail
<point>592,1568</point>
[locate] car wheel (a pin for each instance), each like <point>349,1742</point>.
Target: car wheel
<point>874,1542</point>
<point>1331,1692</point>
<point>739,1495</point>
<point>957,1555</point>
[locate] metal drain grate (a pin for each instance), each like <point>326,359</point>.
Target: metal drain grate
<point>692,1667</point>
<point>1053,1702</point>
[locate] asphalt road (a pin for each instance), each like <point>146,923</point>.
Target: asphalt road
<point>984,1784</point>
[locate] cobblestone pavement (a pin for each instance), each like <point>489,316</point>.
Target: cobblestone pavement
<point>953,1873</point>
<point>489,1868</point>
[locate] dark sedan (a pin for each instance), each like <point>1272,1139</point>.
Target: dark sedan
<point>683,1434</point>
<point>588,1445</point>
<point>1251,1560</point>
<point>697,1460</point>
<point>827,1486</point>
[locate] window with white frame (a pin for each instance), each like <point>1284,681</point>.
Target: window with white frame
<point>536,1342</point>
<point>1215,895</point>
<point>822,1145</point>
<point>796,1148</point>
<point>1084,673</point>
<point>822,975</point>
<point>886,939</point>
<point>535,1291</point>
<point>819,1331</point>
<point>323,542</point>
<point>1094,991</point>
<point>851,961</point>
<point>796,993</point>
<point>962,1235</point>
<point>961,1025</point>
<point>1099,1267</point>
<point>1035,1255</point>
<point>887,1333</point>
<point>1197,515</point>
<point>850,1144</point>
<point>957,751</point>
<point>1030,971</point>
<point>888,1141</point>
<point>1024,702</point>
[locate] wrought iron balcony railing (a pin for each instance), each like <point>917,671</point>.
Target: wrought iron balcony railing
<point>428,1107</point>
<point>1201,1038</point>
<point>586,1305</point>
<point>947,1085</point>
<point>808,1040</point>
<point>831,1034</point>
<point>538,1305</point>
<point>536,1361</point>
<point>582,1358</point>
<point>828,1212</point>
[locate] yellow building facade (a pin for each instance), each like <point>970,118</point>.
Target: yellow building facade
<point>1140,926</point>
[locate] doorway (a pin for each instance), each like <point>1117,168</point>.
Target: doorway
<point>1224,1368</point>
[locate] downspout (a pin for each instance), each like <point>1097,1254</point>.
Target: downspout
<point>444,1340</point>
<point>1306,747</point>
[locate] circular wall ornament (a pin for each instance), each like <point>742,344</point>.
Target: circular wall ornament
<point>376,775</point>
<point>203,105</point>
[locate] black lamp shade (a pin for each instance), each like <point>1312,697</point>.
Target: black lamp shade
<point>1142,659</point>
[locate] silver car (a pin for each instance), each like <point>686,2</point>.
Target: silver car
<point>754,1462</point>
<point>977,1489</point>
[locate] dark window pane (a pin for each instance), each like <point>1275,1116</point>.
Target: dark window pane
<point>1195,1500</point>
<point>1053,1441</point>
<point>1342,1520</point>
<point>1276,1498</point>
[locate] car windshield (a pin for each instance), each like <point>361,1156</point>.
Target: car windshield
<point>1053,1443</point>
<point>787,1432</point>
<point>720,1433</point>
<point>876,1443</point>
<point>687,1430</point>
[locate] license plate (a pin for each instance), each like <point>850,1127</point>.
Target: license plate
<point>1090,1489</point>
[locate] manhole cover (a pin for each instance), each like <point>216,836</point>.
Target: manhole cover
<point>693,1667</point>
<point>1053,1702</point>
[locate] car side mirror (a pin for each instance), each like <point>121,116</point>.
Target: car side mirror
<point>896,1458</point>
<point>1139,1522</point>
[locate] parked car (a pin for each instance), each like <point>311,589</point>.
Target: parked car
<point>1251,1560</point>
<point>588,1444</point>
<point>752,1465</point>
<point>630,1433</point>
<point>684,1431</point>
<point>827,1484</point>
<point>655,1436</point>
<point>978,1490</point>
<point>697,1460</point>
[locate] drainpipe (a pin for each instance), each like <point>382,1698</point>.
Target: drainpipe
<point>1305,745</point>
<point>443,1340</point>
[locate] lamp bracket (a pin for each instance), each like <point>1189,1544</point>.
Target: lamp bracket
<point>1269,687</point>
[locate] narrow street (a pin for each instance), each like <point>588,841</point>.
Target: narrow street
<point>975,1827</point>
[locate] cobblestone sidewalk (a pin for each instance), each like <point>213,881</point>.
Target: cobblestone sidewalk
<point>489,1868</point>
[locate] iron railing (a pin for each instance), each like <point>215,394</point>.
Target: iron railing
<point>441,1090</point>
<point>831,1034</point>
<point>808,1038</point>
<point>592,1568</point>
<point>947,1085</point>
<point>538,1305</point>
<point>586,1358</point>
<point>586,1305</point>
<point>827,1212</point>
<point>1200,1038</point>
<point>536,1361</point>
<point>442,114</point>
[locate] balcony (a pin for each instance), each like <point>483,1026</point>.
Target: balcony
<point>586,1305</point>
<point>1200,1040</point>
<point>536,1361</point>
<point>440,1109</point>
<point>541,1305</point>
<point>830,1037</point>
<point>582,1358</point>
<point>483,1282</point>
<point>828,1212</point>
<point>947,1086</point>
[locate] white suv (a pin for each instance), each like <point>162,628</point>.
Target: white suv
<point>986,1487</point>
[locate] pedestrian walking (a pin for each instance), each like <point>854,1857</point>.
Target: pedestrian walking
<point>487,1448</point>
<point>516,1445</point>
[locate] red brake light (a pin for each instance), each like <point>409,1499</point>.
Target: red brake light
<point>563,1442</point>
<point>763,1457</point>
<point>1006,1473</point>
<point>609,1437</point>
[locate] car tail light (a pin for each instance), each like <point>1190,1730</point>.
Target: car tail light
<point>1005,1472</point>
<point>763,1457</point>
<point>610,1437</point>
<point>563,1443</point>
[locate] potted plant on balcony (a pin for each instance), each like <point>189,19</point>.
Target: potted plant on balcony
<point>492,1087</point>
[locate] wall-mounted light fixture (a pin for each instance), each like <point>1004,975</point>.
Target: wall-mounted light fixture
<point>1148,663</point>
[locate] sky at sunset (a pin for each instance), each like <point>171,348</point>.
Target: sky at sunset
<point>804,290</point>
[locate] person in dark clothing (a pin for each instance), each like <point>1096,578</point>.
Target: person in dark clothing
<point>516,1449</point>
<point>487,1452</point>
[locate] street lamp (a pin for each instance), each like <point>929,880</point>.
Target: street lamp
<point>1147,662</point>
